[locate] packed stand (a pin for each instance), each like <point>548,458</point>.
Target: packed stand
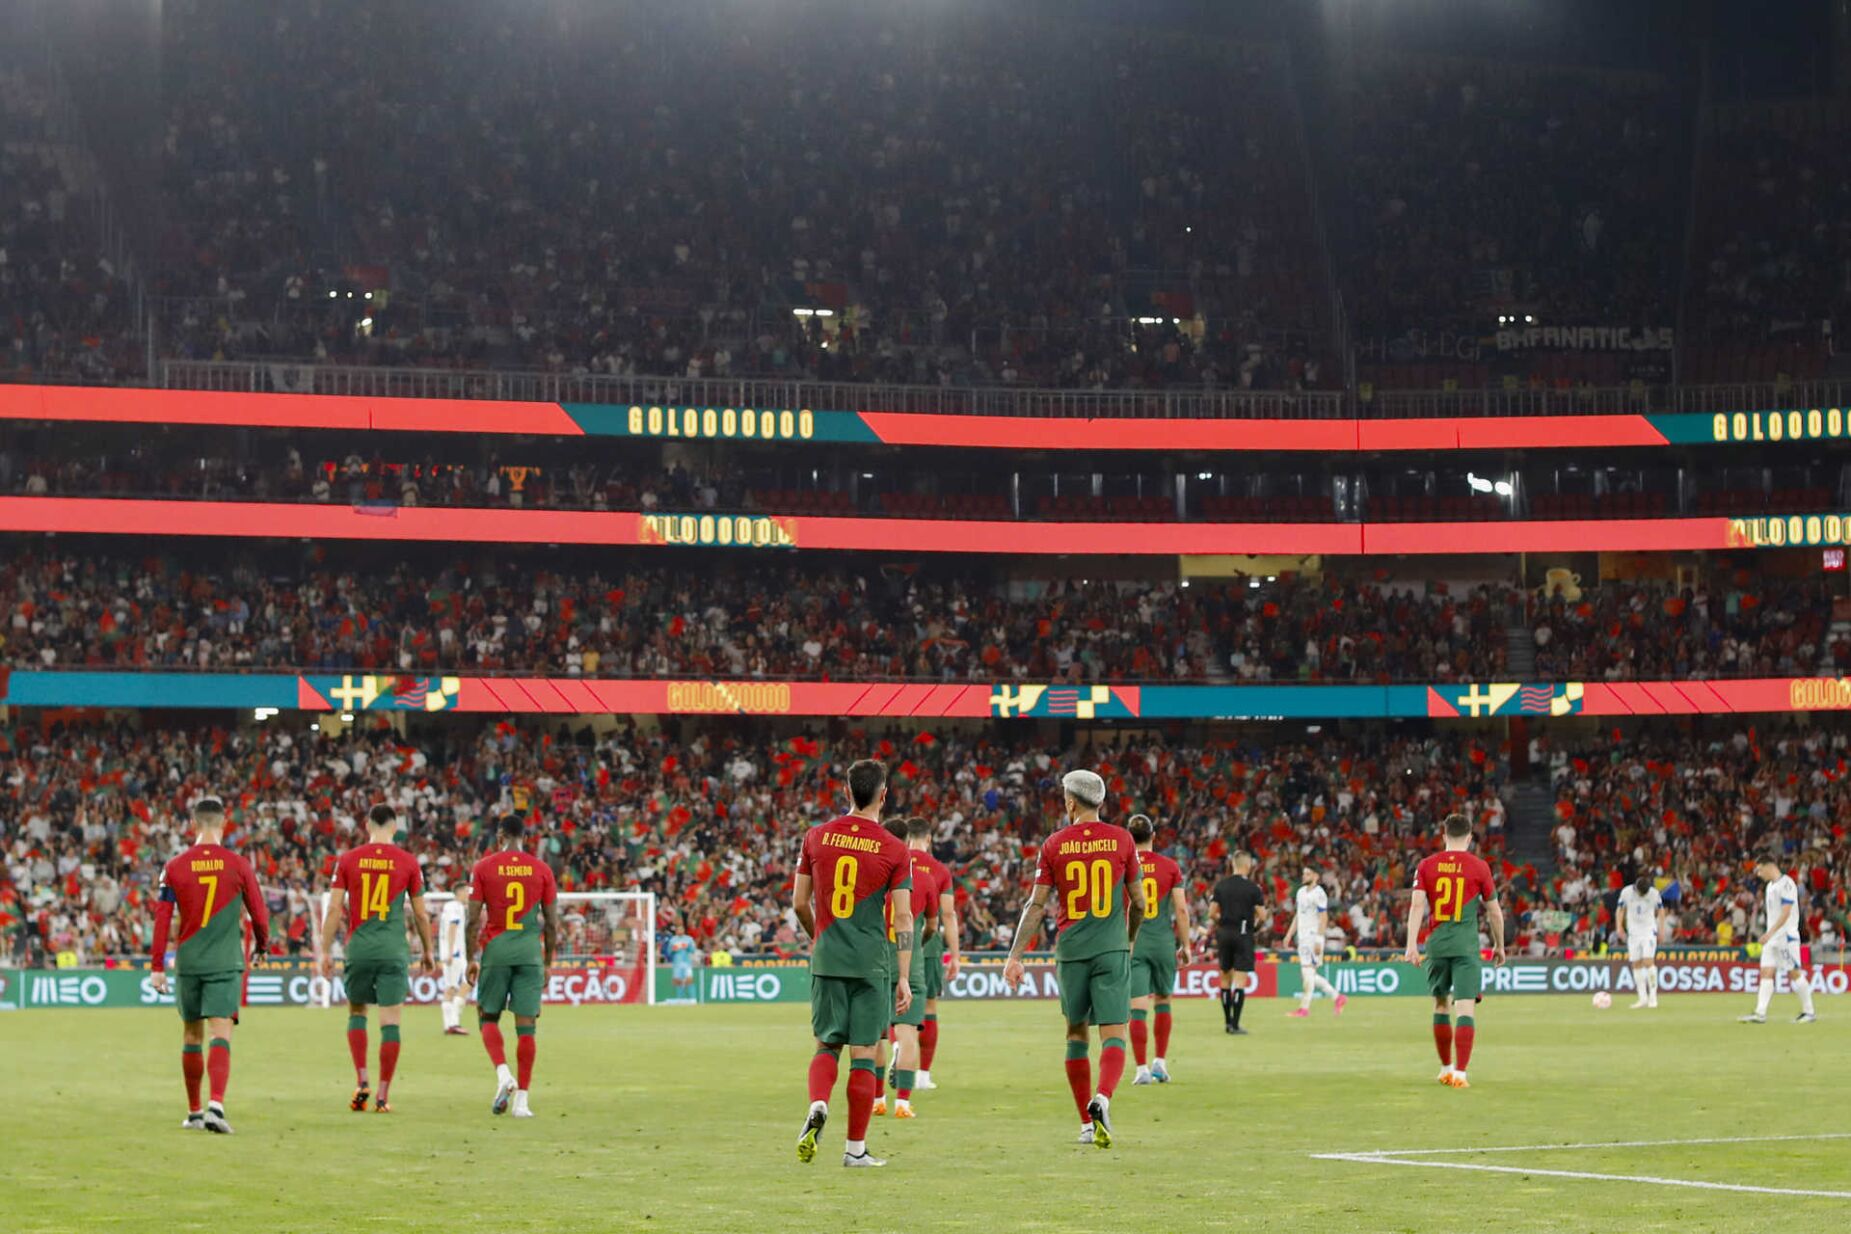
<point>1695,810</point>
<point>497,615</point>
<point>88,815</point>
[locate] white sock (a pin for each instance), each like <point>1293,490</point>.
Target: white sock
<point>819,1105</point>
<point>903,1103</point>
<point>1803,988</point>
<point>1103,1100</point>
<point>503,1075</point>
<point>1765,994</point>
<point>925,1078</point>
<point>856,1148</point>
<point>1158,1063</point>
<point>1324,987</point>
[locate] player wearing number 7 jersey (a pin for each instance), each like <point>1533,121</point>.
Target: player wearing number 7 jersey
<point>204,887</point>
<point>1091,870</point>
<point>1452,883</point>
<point>512,894</point>
<point>371,885</point>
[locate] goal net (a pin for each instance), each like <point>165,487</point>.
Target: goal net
<point>607,950</point>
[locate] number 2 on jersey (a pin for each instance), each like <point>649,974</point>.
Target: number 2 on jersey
<point>1448,899</point>
<point>1096,879</point>
<point>842,892</point>
<point>517,904</point>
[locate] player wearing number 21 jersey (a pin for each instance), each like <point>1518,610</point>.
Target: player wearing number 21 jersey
<point>512,895</point>
<point>1453,883</point>
<point>851,873</point>
<point>1090,869</point>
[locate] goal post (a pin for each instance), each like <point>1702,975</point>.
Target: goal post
<point>607,949</point>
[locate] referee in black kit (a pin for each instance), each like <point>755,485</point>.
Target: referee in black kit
<point>1237,911</point>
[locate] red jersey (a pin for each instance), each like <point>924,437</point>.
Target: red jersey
<point>511,886</point>
<point>1454,882</point>
<point>378,879</point>
<point>926,890</point>
<point>1087,865</point>
<point>853,863</point>
<point>204,886</point>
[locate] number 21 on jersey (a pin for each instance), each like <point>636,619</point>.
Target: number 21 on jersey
<point>1448,898</point>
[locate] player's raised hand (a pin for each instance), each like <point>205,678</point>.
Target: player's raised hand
<point>902,997</point>
<point>1013,972</point>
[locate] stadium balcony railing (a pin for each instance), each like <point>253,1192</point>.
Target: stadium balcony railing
<point>285,376</point>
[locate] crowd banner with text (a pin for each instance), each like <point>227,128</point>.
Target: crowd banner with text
<point>1676,975</point>
<point>292,985</point>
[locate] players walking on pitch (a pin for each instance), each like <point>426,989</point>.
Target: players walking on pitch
<point>1641,913</point>
<point>371,886</point>
<point>943,952</point>
<point>1310,914</point>
<point>1780,946</point>
<point>845,874</point>
<point>204,887</point>
<point>515,892</point>
<point>1236,909</point>
<point>1453,883</point>
<point>452,924</point>
<point>1091,869</point>
<point>1162,947</point>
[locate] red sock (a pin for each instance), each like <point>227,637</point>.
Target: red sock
<point>356,1045</point>
<point>880,1080</point>
<point>1140,1042</point>
<point>491,1037</point>
<point>1462,1038</point>
<point>1443,1038</point>
<point>218,1067</point>
<point>388,1061</point>
<point>823,1069</point>
<point>1111,1066</point>
<point>523,1058</point>
<point>860,1102</point>
<point>1161,1023</point>
<point>928,1043</point>
<point>193,1067</point>
<point>1080,1080</point>
<point>904,1094</point>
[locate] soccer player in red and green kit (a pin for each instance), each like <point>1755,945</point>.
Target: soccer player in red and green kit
<point>513,920</point>
<point>942,954</point>
<point>204,886</point>
<point>371,886</point>
<point>1162,948</point>
<point>848,871</point>
<point>1452,883</point>
<point>1091,869</point>
<point>907,1025</point>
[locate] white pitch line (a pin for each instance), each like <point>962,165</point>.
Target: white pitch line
<point>1538,1148</point>
<point>1651,1179</point>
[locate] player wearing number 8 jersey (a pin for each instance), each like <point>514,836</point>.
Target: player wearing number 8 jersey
<point>1453,883</point>
<point>371,886</point>
<point>512,896</point>
<point>1090,868</point>
<point>204,887</point>
<point>851,872</point>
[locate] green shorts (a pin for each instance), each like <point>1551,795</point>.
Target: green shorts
<point>915,1014</point>
<point>378,983</point>
<point>849,1010</point>
<point>935,973</point>
<point>1462,977</point>
<point>510,987</point>
<point>1153,975</point>
<point>209,996</point>
<point>1096,990</point>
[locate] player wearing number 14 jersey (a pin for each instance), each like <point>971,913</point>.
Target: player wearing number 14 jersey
<point>1091,870</point>
<point>1453,883</point>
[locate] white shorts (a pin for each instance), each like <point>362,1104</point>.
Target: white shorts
<point>454,971</point>
<point>1310,951</point>
<point>1782,957</point>
<point>1641,947</point>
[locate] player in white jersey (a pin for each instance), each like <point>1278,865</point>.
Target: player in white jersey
<point>1641,911</point>
<point>1310,914</point>
<point>1780,946</point>
<point>452,925</point>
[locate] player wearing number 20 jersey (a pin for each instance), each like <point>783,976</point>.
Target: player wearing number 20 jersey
<point>1450,886</point>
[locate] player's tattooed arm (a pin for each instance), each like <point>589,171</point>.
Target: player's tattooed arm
<point>1134,897</point>
<point>1027,930</point>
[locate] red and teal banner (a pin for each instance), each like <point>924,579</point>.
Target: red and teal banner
<point>256,519</point>
<point>872,426</point>
<point>919,700</point>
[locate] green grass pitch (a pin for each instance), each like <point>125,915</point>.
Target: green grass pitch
<point>683,1119</point>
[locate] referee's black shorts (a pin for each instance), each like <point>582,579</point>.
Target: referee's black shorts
<point>1235,951</point>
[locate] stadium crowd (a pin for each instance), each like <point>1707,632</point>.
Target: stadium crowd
<point>513,614</point>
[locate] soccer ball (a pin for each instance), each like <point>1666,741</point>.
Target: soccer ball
<point>1602,1000</point>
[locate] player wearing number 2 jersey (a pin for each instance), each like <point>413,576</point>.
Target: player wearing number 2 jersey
<point>371,885</point>
<point>1091,870</point>
<point>1452,883</point>
<point>204,887</point>
<point>851,873</point>
<point>512,895</point>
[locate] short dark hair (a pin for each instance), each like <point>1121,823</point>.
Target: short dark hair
<point>866,778</point>
<point>1457,825</point>
<point>1141,828</point>
<point>896,827</point>
<point>381,815</point>
<point>208,807</point>
<point>510,827</point>
<point>918,828</point>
